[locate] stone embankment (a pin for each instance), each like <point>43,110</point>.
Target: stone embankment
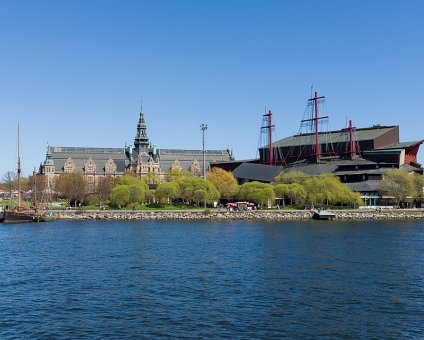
<point>193,215</point>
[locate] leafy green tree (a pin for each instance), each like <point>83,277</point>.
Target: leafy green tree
<point>120,196</point>
<point>257,192</point>
<point>399,184</point>
<point>327,189</point>
<point>151,178</point>
<point>199,195</point>
<point>175,174</point>
<point>289,177</point>
<point>128,178</point>
<point>224,181</point>
<point>294,192</point>
<point>136,193</point>
<point>419,186</point>
<point>281,191</point>
<point>189,185</point>
<point>71,186</point>
<point>149,196</point>
<point>167,191</point>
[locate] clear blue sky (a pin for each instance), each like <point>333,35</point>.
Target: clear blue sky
<point>73,72</point>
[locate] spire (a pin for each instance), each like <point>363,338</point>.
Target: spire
<point>49,159</point>
<point>141,140</point>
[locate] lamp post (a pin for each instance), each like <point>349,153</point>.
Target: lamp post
<point>203,127</point>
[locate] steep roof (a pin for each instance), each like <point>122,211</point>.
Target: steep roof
<point>338,136</point>
<point>257,172</point>
<point>371,186</point>
<point>80,155</point>
<point>399,146</point>
<point>187,157</point>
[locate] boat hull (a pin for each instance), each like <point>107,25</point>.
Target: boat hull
<point>11,217</point>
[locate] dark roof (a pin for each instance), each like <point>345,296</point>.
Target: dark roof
<point>80,155</point>
<point>365,186</point>
<point>256,172</point>
<point>411,168</point>
<point>338,136</point>
<point>397,146</point>
<point>100,156</point>
<point>187,157</point>
<point>313,168</point>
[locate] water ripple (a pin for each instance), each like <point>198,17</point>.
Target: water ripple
<point>126,280</point>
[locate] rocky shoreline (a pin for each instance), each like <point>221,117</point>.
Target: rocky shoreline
<point>272,215</point>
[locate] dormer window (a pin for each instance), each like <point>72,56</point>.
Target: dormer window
<point>69,166</point>
<point>110,167</point>
<point>90,166</point>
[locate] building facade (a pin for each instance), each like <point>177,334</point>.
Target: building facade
<point>140,158</point>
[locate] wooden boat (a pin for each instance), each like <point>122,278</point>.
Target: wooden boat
<point>22,214</point>
<point>323,214</point>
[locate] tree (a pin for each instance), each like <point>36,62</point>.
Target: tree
<point>37,183</point>
<point>9,180</point>
<point>399,184</point>
<point>167,191</point>
<point>120,195</point>
<point>175,174</point>
<point>71,186</point>
<point>327,189</point>
<point>104,188</point>
<point>257,192</point>
<point>290,177</point>
<point>199,195</point>
<point>136,193</point>
<point>419,186</point>
<point>128,178</point>
<point>152,178</point>
<point>280,191</point>
<point>149,196</point>
<point>295,192</point>
<point>224,181</point>
<point>189,185</point>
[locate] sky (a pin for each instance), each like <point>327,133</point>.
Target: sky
<point>74,73</point>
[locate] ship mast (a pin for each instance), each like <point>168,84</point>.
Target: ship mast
<point>268,121</point>
<point>315,120</point>
<point>19,170</point>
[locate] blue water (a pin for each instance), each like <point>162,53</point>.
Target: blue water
<point>150,279</point>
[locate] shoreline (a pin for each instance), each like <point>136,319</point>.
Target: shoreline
<point>220,215</point>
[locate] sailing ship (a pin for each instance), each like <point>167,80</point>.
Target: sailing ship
<point>22,214</point>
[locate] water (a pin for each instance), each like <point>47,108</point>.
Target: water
<point>126,280</point>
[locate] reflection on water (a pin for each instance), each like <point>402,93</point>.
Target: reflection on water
<point>209,279</point>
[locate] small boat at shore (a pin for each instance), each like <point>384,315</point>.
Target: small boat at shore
<point>21,214</point>
<point>319,214</point>
<point>18,215</point>
<point>26,216</point>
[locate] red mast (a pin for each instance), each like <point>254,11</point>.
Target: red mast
<point>269,126</point>
<point>316,119</point>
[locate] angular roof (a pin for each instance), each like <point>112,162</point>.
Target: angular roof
<point>338,136</point>
<point>371,185</point>
<point>80,155</point>
<point>187,157</point>
<point>257,172</point>
<point>313,168</point>
<point>399,146</point>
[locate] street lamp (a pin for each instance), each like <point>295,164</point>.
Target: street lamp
<point>203,127</point>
